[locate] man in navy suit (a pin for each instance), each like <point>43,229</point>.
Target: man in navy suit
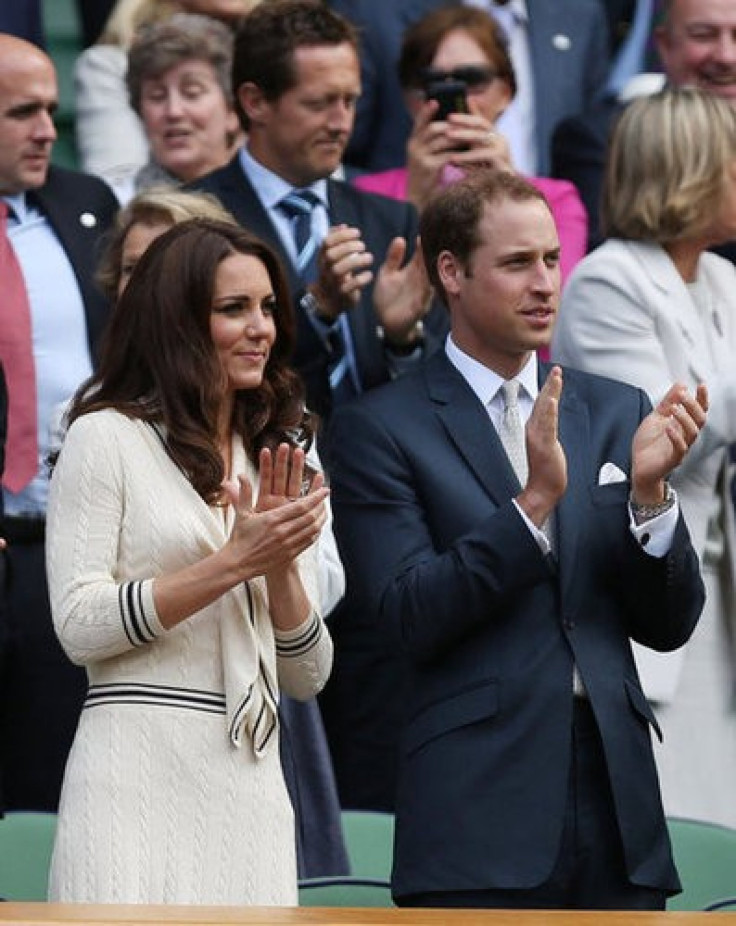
<point>297,79</point>
<point>56,220</point>
<point>526,774</point>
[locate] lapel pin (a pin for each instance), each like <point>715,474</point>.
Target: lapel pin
<point>88,220</point>
<point>561,42</point>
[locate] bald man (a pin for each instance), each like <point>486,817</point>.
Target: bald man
<point>55,221</point>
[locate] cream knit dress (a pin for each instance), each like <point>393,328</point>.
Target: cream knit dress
<point>173,791</point>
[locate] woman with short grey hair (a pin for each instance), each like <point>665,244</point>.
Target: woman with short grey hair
<point>179,84</point>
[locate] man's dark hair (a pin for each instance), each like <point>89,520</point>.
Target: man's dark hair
<point>270,34</point>
<point>451,220</point>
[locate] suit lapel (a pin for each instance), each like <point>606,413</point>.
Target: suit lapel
<point>658,267</point>
<point>469,428</point>
<point>544,22</point>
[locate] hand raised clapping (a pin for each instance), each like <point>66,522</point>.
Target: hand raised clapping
<point>271,532</point>
<point>663,439</point>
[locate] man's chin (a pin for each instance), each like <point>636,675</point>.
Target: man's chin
<point>329,160</point>
<point>33,178</point>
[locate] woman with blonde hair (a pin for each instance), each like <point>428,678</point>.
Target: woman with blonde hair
<point>651,306</point>
<point>141,221</point>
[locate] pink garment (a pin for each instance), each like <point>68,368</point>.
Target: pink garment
<point>563,198</point>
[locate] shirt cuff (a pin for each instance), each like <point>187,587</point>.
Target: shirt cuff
<point>322,327</point>
<point>655,536</point>
<point>544,545</point>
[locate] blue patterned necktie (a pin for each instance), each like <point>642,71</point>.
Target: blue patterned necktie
<point>299,206</point>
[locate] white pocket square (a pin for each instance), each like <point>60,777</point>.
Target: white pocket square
<point>609,473</point>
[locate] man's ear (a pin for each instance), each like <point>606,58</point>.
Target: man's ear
<point>450,272</point>
<point>252,101</point>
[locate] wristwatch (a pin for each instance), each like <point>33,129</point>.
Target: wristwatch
<point>308,302</point>
<point>643,513</point>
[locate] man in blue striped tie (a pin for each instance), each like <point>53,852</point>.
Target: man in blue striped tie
<point>360,291</point>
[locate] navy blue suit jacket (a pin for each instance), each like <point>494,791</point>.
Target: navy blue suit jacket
<point>442,568</point>
<point>569,51</point>
<point>380,220</point>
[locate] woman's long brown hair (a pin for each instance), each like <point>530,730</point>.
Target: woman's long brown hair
<point>158,362</point>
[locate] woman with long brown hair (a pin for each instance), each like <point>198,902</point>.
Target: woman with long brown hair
<point>181,557</point>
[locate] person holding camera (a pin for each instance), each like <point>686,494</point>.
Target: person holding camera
<point>458,78</point>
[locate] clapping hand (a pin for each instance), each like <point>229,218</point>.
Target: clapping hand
<point>663,439</point>
<point>547,479</point>
<point>287,516</point>
<point>344,270</point>
<point>402,293</point>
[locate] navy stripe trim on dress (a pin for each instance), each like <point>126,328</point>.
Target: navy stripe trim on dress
<point>302,644</point>
<point>193,699</point>
<point>238,716</point>
<point>132,614</point>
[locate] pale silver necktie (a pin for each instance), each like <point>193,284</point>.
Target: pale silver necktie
<point>511,430</point>
<point>513,438</point>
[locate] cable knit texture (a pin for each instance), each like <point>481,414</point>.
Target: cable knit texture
<point>173,790</point>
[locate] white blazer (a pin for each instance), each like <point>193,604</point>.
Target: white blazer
<point>627,313</point>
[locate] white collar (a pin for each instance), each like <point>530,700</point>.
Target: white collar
<point>485,382</point>
<point>272,188</point>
